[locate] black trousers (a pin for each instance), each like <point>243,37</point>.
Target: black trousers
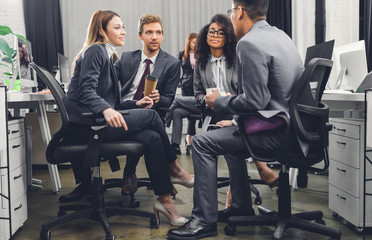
<point>144,126</point>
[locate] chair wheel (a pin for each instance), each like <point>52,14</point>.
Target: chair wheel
<point>173,195</point>
<point>320,221</point>
<point>154,223</point>
<point>134,203</point>
<point>110,237</point>
<point>358,230</point>
<point>61,213</point>
<point>45,235</point>
<point>258,201</point>
<point>334,214</point>
<point>230,230</point>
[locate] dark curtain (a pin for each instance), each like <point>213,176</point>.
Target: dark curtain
<point>44,30</point>
<point>320,21</point>
<point>280,15</point>
<point>365,28</point>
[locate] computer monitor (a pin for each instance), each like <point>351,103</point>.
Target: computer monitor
<point>64,69</point>
<point>367,83</point>
<point>23,70</point>
<point>353,69</point>
<point>321,50</point>
<point>344,76</point>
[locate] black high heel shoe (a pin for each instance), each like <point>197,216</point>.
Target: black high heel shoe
<point>176,148</point>
<point>188,148</point>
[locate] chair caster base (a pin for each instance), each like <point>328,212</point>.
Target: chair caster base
<point>230,230</point>
<point>134,203</point>
<point>154,223</point>
<point>45,235</point>
<point>258,201</point>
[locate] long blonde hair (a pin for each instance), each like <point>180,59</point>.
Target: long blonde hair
<point>187,45</point>
<point>96,32</point>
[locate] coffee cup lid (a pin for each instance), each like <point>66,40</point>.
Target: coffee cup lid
<point>150,77</point>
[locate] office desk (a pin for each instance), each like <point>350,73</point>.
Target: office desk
<point>344,100</point>
<point>38,102</point>
<point>353,102</point>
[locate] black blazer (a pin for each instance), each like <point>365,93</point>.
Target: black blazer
<point>167,70</point>
<point>187,75</point>
<point>93,87</point>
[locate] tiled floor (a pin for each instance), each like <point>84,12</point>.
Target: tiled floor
<point>43,206</point>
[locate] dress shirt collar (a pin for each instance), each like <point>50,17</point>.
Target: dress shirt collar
<point>110,48</point>
<point>215,59</point>
<point>144,57</point>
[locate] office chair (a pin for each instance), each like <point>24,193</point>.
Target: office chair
<point>308,122</point>
<point>60,152</point>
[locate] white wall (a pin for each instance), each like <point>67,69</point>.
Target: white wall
<point>179,18</point>
<point>303,25</point>
<point>342,18</point>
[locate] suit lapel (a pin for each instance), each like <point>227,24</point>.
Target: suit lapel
<point>209,75</point>
<point>133,67</point>
<point>159,64</point>
<point>115,83</point>
<point>229,73</point>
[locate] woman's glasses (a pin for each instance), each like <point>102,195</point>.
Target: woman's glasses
<point>211,32</point>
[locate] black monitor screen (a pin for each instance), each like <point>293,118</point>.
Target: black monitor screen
<point>64,68</point>
<point>322,50</point>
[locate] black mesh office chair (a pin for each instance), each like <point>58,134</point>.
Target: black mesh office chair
<point>308,122</point>
<point>60,152</point>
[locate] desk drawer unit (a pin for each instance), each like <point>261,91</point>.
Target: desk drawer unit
<point>346,153</point>
<point>17,180</point>
<point>17,153</point>
<point>16,128</point>
<point>344,150</point>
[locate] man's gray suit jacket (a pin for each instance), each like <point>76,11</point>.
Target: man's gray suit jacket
<point>268,67</point>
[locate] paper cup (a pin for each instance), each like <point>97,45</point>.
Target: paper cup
<point>222,92</point>
<point>150,85</point>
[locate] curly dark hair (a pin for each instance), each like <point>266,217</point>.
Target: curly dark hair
<point>203,51</point>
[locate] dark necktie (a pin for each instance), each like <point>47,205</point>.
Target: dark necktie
<point>141,86</point>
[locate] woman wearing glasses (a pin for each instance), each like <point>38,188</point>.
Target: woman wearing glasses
<point>215,68</point>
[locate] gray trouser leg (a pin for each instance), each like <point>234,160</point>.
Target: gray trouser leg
<point>206,147</point>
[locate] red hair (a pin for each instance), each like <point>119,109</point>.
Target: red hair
<point>187,45</point>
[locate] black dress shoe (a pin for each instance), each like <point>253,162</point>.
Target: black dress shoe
<point>130,184</point>
<point>223,216</point>
<point>79,192</point>
<point>193,229</point>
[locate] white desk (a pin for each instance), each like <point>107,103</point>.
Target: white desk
<point>345,101</point>
<point>19,101</point>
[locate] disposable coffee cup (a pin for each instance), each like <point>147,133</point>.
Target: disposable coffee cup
<point>150,85</point>
<point>222,92</point>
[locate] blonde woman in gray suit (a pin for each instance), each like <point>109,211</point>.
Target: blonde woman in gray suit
<point>215,68</point>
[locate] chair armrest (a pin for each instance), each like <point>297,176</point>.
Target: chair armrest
<point>91,158</point>
<point>242,118</point>
<point>100,115</point>
<point>97,117</point>
<point>321,112</point>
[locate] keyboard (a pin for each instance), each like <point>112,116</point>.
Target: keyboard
<point>337,91</point>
